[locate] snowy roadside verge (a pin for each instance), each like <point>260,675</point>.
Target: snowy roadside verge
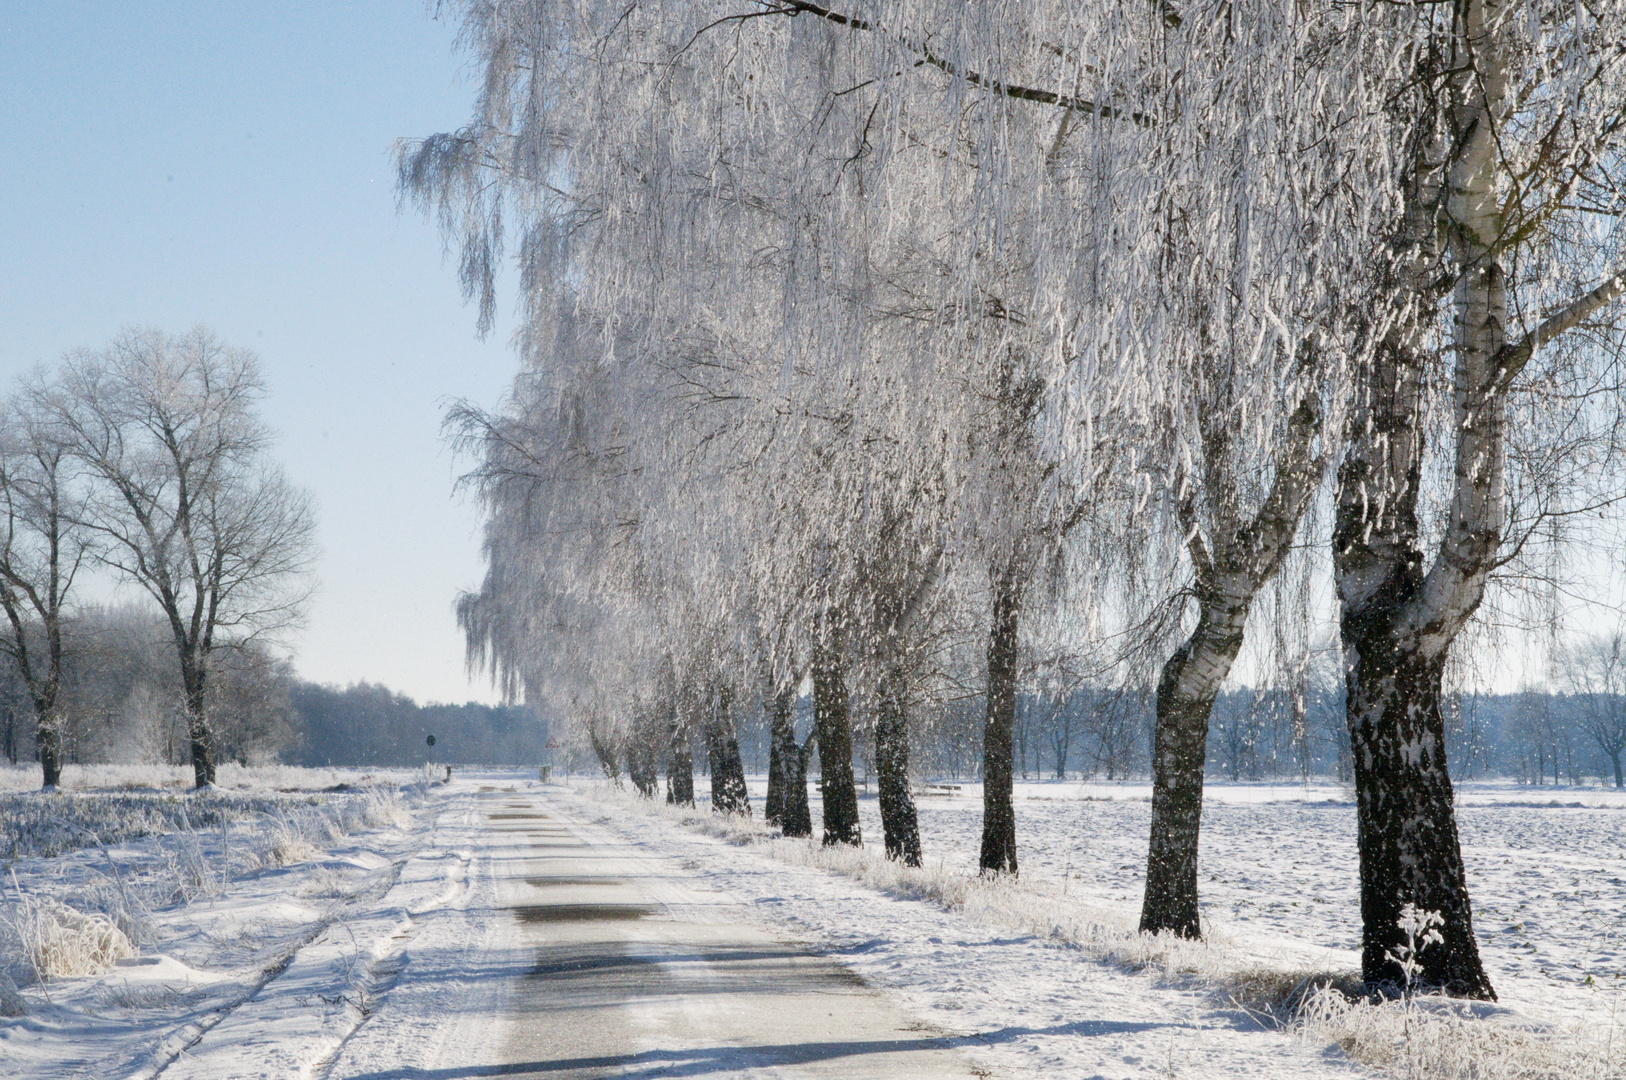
<point>304,897</point>
<point>1286,988</point>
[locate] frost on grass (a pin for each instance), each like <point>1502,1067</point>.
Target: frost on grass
<point>176,848</point>
<point>32,825</point>
<point>61,942</point>
<point>12,1002</point>
<point>1434,1038</point>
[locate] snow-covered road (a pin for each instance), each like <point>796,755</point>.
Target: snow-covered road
<point>569,951</point>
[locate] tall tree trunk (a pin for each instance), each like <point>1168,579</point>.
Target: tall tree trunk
<point>1229,576</point>
<point>605,751</point>
<point>45,699</point>
<point>789,765</point>
<point>998,806</point>
<point>679,759</point>
<point>728,791</point>
<point>1186,689</point>
<point>194,677</point>
<point>1405,818</point>
<point>43,688</point>
<point>643,754</point>
<point>835,749</point>
<point>898,819</point>
<point>798,820</point>
<point>1397,625</point>
<point>778,717</point>
<point>48,737</point>
<point>787,770</point>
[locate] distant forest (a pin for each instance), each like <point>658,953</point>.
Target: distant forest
<point>366,724</point>
<point>121,701</point>
<point>1534,737</point>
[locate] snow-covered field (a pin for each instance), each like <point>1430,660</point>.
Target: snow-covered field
<point>282,912</point>
<point>1546,870</point>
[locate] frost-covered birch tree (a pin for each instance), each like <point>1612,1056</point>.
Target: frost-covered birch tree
<point>1496,293</point>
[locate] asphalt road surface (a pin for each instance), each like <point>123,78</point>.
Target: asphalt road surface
<point>574,954</point>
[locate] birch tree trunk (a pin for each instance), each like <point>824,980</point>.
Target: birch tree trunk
<point>1228,579</point>
<point>787,771</point>
<point>1397,625</point>
<point>728,791</point>
<point>835,749</point>
<point>643,754</point>
<point>898,818</point>
<point>781,737</point>
<point>679,759</point>
<point>998,853</point>
<point>1186,689</point>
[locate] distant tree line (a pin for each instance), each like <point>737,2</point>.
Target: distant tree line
<point>370,725</point>
<point>1536,737</point>
<point>122,701</point>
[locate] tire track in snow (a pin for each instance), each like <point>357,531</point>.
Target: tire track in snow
<point>385,970</point>
<point>171,1053</point>
<point>177,1041</point>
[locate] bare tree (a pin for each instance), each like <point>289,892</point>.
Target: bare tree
<point>41,551</point>
<point>1595,671</point>
<point>184,502</point>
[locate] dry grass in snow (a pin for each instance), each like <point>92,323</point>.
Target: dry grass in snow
<point>199,844</point>
<point>1432,1038</point>
<point>60,942</point>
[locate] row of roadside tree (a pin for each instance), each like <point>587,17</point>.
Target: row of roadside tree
<point>910,352</point>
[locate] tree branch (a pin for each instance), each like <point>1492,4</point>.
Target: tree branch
<point>996,86</point>
<point>1513,357</point>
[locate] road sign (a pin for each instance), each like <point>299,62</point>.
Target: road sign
<point>553,744</point>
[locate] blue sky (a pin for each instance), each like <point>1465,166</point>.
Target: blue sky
<point>230,164</point>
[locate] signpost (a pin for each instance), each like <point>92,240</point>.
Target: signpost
<point>546,772</point>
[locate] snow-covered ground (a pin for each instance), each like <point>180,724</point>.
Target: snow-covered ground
<point>191,918</point>
<point>335,906</point>
<point>1546,870</point>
